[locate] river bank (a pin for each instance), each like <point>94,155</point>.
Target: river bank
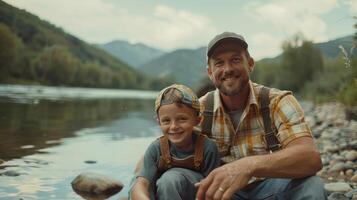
<point>336,138</point>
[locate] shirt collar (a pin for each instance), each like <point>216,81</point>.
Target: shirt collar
<point>252,100</point>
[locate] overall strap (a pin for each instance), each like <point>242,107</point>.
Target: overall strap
<point>273,143</point>
<point>199,147</point>
<point>165,151</point>
<point>208,114</point>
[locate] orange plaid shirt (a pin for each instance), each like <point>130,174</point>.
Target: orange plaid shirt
<point>248,138</point>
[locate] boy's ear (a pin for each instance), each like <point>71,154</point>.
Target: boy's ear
<point>199,120</point>
<point>158,120</point>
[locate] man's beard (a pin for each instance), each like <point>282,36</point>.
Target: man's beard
<point>236,89</point>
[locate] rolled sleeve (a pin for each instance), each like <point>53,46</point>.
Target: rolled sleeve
<point>289,119</point>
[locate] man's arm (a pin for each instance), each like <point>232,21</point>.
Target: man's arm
<point>299,159</point>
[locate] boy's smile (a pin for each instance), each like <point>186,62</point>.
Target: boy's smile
<point>177,122</point>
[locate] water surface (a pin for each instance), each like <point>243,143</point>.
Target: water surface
<point>49,135</point>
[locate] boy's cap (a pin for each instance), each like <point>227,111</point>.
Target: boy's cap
<point>188,97</point>
<point>224,37</point>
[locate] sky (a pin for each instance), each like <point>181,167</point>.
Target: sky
<point>174,24</point>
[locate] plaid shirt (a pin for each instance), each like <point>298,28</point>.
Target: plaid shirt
<point>248,138</point>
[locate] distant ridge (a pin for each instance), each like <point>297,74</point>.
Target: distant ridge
<point>133,54</point>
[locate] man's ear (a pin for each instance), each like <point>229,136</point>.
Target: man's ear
<point>209,72</point>
<point>251,64</point>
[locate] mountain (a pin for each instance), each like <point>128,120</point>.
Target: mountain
<point>133,54</point>
<point>187,66</point>
<point>37,52</point>
<point>331,48</point>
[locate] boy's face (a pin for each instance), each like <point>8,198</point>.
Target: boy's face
<point>177,122</point>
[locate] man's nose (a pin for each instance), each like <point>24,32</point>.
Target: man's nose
<point>228,67</point>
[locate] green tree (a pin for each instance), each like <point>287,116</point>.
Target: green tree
<point>300,62</point>
<point>56,65</point>
<point>9,43</point>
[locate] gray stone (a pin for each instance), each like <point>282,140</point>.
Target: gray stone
<point>11,173</point>
<point>351,193</point>
<point>351,155</point>
<point>90,161</point>
<point>349,172</point>
<point>340,166</point>
<point>354,178</point>
<point>337,196</point>
<point>337,187</point>
<point>94,185</point>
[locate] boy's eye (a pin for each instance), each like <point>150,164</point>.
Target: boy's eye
<point>182,118</point>
<point>165,121</point>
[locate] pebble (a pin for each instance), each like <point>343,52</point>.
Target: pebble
<point>337,196</point>
<point>11,173</point>
<point>90,161</point>
<point>351,155</point>
<point>338,187</point>
<point>354,178</point>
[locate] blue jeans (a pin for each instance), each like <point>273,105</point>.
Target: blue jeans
<point>309,188</point>
<point>177,184</point>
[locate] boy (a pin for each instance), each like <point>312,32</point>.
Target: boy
<point>182,156</point>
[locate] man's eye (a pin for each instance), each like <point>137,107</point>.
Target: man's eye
<point>236,60</point>
<point>218,63</point>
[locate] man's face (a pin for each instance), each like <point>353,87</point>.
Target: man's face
<point>229,69</point>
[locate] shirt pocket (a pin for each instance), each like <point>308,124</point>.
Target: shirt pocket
<point>222,145</point>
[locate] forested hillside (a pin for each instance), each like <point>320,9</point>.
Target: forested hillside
<point>34,51</point>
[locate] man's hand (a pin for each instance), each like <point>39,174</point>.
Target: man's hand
<point>224,181</point>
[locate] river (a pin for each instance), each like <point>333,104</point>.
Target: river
<point>49,135</point>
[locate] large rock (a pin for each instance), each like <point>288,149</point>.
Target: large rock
<point>337,187</point>
<point>93,185</point>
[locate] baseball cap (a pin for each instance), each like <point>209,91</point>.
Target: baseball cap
<point>225,36</point>
<point>187,97</point>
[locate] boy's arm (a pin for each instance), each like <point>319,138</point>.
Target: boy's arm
<point>211,156</point>
<point>140,189</point>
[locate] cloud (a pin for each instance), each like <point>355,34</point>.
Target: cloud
<point>352,5</point>
<point>99,21</point>
<point>290,17</point>
<point>281,19</point>
<point>266,44</point>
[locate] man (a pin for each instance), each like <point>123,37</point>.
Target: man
<point>251,171</point>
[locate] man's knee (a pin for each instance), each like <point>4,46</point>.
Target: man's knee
<point>311,187</point>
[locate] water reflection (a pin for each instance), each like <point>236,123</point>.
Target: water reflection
<point>25,128</point>
<point>48,134</point>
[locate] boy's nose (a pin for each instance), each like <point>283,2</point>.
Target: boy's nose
<point>173,125</point>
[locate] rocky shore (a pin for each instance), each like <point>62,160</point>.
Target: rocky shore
<point>336,138</point>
